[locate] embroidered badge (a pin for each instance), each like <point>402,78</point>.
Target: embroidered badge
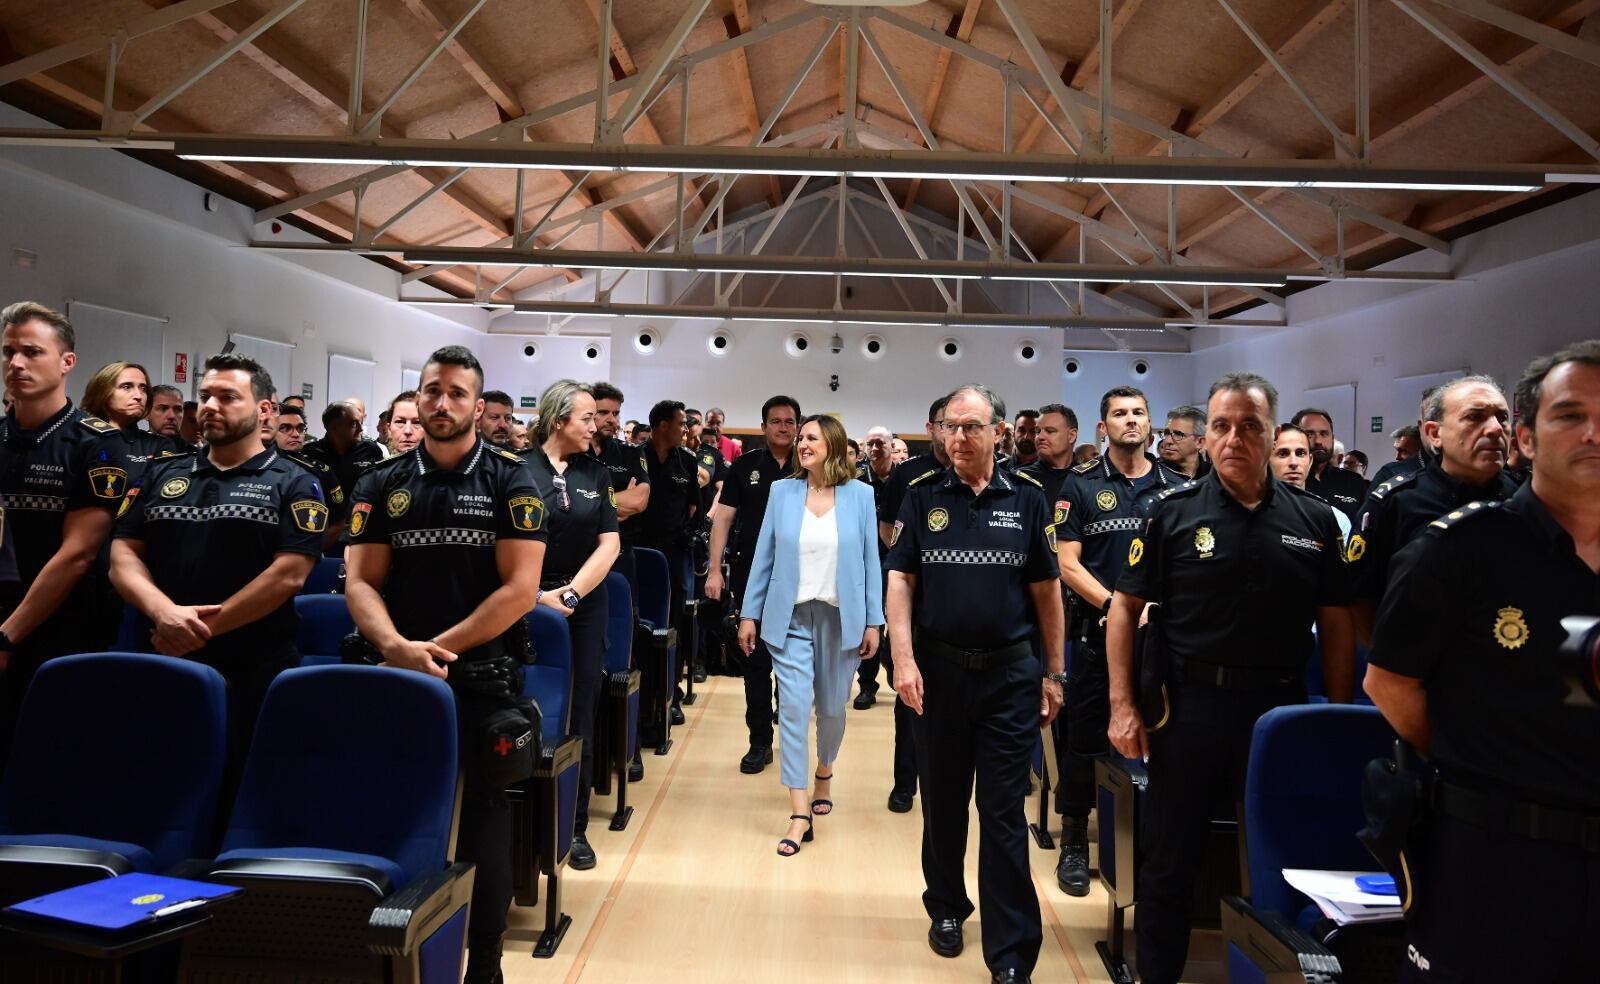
<point>1135,552</point>
<point>310,515</point>
<point>1106,500</point>
<point>1204,541</point>
<point>399,502</point>
<point>174,487</point>
<point>1510,629</point>
<point>108,483</point>
<point>527,512</point>
<point>938,520</point>
<point>358,517</point>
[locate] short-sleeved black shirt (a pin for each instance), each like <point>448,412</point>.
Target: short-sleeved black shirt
<point>746,489</point>
<point>1400,509</point>
<point>864,473</point>
<point>1239,587</point>
<point>1100,508</point>
<point>1344,490</point>
<point>73,461</point>
<point>332,491</point>
<point>442,526</point>
<point>348,467</point>
<point>143,447</point>
<point>588,510</point>
<point>709,457</point>
<point>626,464</point>
<point>974,557</point>
<point>906,472</point>
<point>207,533</point>
<point>1474,611</point>
<point>674,492</point>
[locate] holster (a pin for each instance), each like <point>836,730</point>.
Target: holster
<point>1396,794</point>
<point>502,727</point>
<point>1156,673</point>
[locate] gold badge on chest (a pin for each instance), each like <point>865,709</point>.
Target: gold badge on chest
<point>1204,542</point>
<point>938,519</point>
<point>1511,629</point>
<point>399,502</point>
<point>1106,500</point>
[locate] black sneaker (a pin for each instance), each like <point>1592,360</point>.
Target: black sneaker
<point>900,802</point>
<point>699,673</point>
<point>676,715</point>
<point>756,759</point>
<point>581,856</point>
<point>864,701</point>
<point>636,769</point>
<point>1072,871</point>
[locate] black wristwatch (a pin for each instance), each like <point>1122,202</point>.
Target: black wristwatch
<point>1105,609</point>
<point>570,597</point>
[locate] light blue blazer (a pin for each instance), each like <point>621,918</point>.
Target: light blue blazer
<point>775,572</point>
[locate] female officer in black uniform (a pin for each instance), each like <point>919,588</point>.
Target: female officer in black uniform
<point>583,544</point>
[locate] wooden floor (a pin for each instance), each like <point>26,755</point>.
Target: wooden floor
<point>694,890</point>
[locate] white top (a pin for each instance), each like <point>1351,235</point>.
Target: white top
<point>819,559</point>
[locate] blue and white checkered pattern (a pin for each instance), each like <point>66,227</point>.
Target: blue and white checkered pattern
<point>1002,558</point>
<point>439,537</point>
<point>1132,524</point>
<point>205,514</point>
<point>36,503</point>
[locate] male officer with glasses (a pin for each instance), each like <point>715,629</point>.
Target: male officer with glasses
<point>1183,442</point>
<point>972,569</point>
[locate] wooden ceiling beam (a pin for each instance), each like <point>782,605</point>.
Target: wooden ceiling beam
<point>960,28</point>
<point>433,16</point>
<point>735,24</point>
<point>1080,74</point>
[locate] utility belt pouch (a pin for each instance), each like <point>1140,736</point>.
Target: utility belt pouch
<point>507,724</point>
<point>355,649</point>
<point>1395,795</point>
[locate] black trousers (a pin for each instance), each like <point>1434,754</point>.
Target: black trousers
<point>1535,919</point>
<point>867,677</point>
<point>485,841</point>
<point>1080,730</point>
<point>757,675</point>
<point>980,725</point>
<point>905,747</point>
<point>1196,769</point>
<point>587,626</point>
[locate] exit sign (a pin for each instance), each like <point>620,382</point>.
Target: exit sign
<point>530,403</point>
<point>1377,425</point>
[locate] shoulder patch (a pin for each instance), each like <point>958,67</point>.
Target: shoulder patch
<point>97,425</point>
<point>168,455</point>
<point>1393,483</point>
<point>1086,467</point>
<point>1029,479</point>
<point>1456,518</point>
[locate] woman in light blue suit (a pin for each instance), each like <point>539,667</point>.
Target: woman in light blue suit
<point>816,589</point>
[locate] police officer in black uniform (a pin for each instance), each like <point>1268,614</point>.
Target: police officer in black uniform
<point>63,474</point>
<point>875,468</point>
<point>1344,490</point>
<point>583,544</point>
<point>119,394</point>
<point>1101,508</point>
<point>1505,878</point>
<point>332,492</point>
<point>1467,419</point>
<point>972,568</point>
<point>345,451</point>
<point>1240,565</point>
<point>630,476</point>
<point>903,793</point>
<point>444,551</point>
<point>712,473</point>
<point>738,524</point>
<point>211,547</point>
<point>674,501</point>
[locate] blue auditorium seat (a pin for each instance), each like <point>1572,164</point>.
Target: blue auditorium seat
<point>545,807</point>
<point>619,711</point>
<point>324,622</point>
<point>341,835</point>
<point>1302,810</point>
<point>658,660</point>
<point>116,767</point>
<point>324,577</point>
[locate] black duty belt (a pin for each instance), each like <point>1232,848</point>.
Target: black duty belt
<point>972,659</point>
<point>1531,820</point>
<point>549,581</point>
<point>1237,677</point>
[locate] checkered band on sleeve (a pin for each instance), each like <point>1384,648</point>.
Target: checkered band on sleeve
<point>1132,524</point>
<point>438,537</point>
<point>35,503</point>
<point>1002,558</point>
<point>205,514</point>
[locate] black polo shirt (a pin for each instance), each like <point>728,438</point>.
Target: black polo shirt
<point>975,557</point>
<point>1344,490</point>
<point>626,464</point>
<point>207,533</point>
<point>1399,509</point>
<point>746,489</point>
<point>674,494</point>
<point>878,485</point>
<point>1474,611</point>
<point>588,509</point>
<point>1104,510</point>
<point>1239,587</point>
<point>441,526</point>
<point>73,461</point>
<point>709,457</point>
<point>347,467</point>
<point>1393,470</point>
<point>143,447</point>
<point>906,472</point>
<point>318,469</point>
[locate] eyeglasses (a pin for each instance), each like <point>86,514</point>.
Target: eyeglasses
<point>1173,435</point>
<point>969,429</point>
<point>561,487</point>
<point>292,428</point>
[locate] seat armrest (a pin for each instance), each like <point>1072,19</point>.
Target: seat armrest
<point>621,683</point>
<point>408,917</point>
<point>1276,946</point>
<point>566,753</point>
<point>664,638</point>
<point>110,864</point>
<point>193,869</point>
<point>304,869</point>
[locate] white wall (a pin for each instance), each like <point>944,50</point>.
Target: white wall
<point>1523,288</point>
<point>1167,383</point>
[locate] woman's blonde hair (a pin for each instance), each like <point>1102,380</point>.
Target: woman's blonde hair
<point>97,395</point>
<point>836,470</point>
<point>557,405</point>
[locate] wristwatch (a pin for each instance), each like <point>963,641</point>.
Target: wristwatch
<point>570,597</point>
<point>1057,677</point>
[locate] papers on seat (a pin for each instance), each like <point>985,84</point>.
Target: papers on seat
<point>1336,894</point>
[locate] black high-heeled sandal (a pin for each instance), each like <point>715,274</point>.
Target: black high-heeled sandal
<point>816,803</point>
<point>806,837</point>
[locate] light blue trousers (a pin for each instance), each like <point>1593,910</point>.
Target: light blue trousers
<point>812,665</point>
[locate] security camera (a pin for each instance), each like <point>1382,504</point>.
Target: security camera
<point>836,344</point>
<point>833,381</point>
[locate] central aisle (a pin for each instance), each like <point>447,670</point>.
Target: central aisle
<point>694,891</point>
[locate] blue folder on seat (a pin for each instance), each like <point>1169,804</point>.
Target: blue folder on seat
<point>119,903</point>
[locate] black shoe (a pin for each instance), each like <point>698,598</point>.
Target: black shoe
<point>581,856</point>
<point>676,715</point>
<point>1072,871</point>
<point>864,701</point>
<point>756,759</point>
<point>699,674</point>
<point>900,802</point>
<point>636,769</point>
<point>944,936</point>
<point>1010,975</point>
